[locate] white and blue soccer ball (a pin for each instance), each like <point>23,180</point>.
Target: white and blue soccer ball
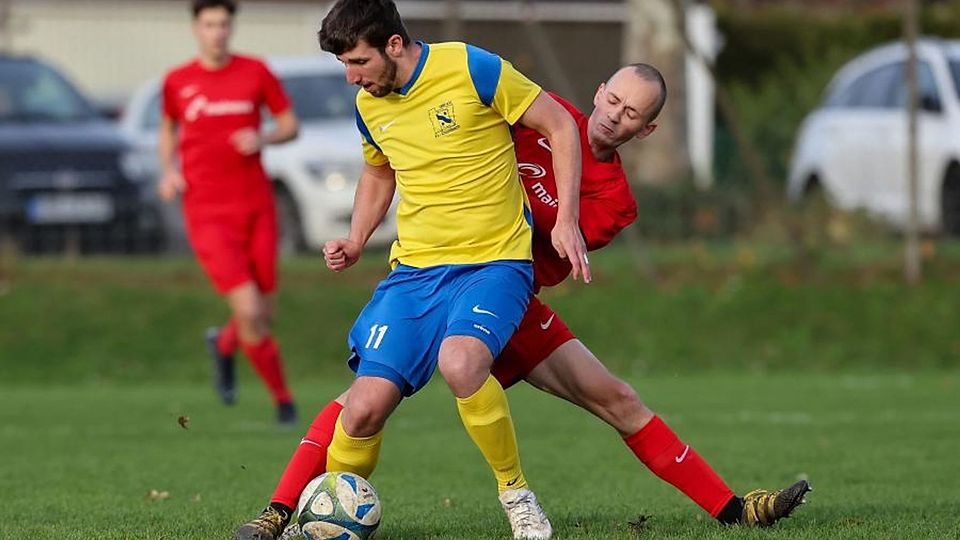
<point>338,506</point>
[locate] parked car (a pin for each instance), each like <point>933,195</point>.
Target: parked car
<point>63,175</point>
<point>314,177</point>
<point>854,146</point>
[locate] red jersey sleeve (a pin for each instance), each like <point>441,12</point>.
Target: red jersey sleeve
<point>603,217</point>
<point>169,97</point>
<point>272,92</point>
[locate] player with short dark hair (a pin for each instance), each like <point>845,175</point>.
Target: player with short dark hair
<point>211,122</point>
<point>198,6</point>
<point>435,122</point>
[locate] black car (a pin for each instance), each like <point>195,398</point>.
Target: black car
<point>62,178</point>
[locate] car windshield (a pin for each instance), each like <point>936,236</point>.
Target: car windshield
<point>32,92</point>
<point>955,74</point>
<point>321,97</point>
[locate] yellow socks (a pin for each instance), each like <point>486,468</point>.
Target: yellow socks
<point>357,455</point>
<point>486,415</point>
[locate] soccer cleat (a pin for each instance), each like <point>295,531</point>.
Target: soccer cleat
<point>287,414</point>
<point>268,525</point>
<point>224,380</point>
<point>527,518</point>
<point>762,508</point>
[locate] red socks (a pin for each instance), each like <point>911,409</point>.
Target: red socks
<point>227,340</point>
<point>310,458</point>
<point>265,357</point>
<point>658,447</point>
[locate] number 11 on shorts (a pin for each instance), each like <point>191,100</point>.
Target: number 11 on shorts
<point>378,331</point>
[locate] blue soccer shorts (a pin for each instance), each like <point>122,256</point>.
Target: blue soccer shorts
<point>398,334</point>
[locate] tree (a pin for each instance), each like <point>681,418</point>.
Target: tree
<point>652,35</point>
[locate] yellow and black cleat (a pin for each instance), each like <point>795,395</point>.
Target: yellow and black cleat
<point>762,508</point>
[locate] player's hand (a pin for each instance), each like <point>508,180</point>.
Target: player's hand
<point>171,185</point>
<point>569,244</point>
<point>247,141</point>
<point>341,254</point>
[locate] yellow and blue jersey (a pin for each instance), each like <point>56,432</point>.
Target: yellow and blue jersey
<point>446,133</point>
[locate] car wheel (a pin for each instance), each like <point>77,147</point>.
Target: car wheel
<point>290,239</point>
<point>950,201</point>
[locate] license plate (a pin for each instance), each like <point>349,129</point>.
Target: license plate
<point>50,208</point>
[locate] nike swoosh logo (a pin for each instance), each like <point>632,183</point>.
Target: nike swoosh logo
<point>386,126</point>
<point>514,481</point>
<point>683,456</point>
<point>542,141</point>
<point>476,309</point>
<point>546,324</point>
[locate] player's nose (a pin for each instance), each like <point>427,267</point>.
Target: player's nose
<point>614,115</point>
<point>353,77</point>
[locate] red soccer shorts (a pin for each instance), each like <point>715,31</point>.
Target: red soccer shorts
<point>540,333</point>
<point>236,247</point>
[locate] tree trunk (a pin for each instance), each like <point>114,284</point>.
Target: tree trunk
<point>912,248</point>
<point>652,36</point>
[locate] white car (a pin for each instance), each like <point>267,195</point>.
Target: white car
<point>854,146</point>
<point>314,176</point>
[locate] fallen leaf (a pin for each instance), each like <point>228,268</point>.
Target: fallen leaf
<point>157,495</point>
<point>638,525</point>
<point>183,421</point>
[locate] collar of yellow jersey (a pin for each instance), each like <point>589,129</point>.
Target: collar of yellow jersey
<point>424,51</point>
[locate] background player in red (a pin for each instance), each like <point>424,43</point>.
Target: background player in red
<point>543,351</point>
<point>212,105</point>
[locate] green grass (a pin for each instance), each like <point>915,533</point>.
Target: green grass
<point>880,450</point>
<point>717,307</point>
<point>842,375</point>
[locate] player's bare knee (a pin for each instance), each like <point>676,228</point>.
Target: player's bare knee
<point>620,398</point>
<point>464,373</point>
<point>247,314</point>
<point>363,418</point>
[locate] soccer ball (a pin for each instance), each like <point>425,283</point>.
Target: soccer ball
<point>338,506</point>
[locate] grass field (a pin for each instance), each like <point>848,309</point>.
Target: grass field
<point>845,377</point>
<point>880,451</point>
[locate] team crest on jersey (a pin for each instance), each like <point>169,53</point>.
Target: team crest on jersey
<point>444,119</point>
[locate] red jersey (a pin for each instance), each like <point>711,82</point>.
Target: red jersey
<point>607,205</point>
<point>210,106</point>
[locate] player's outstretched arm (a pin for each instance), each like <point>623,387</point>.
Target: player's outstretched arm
<point>550,118</point>
<point>370,204</point>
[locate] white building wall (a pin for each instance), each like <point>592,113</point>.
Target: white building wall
<point>109,47</point>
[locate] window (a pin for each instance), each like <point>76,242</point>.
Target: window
<point>151,116</point>
<point>32,92</point>
<point>871,90</point>
<point>321,97</point>
<point>955,74</point>
<point>926,85</point>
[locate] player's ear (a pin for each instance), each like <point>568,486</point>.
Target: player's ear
<point>646,131</point>
<point>596,96</point>
<point>394,47</point>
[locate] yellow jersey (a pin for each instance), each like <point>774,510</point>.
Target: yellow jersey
<point>446,133</point>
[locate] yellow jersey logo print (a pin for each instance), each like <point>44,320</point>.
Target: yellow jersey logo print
<point>443,119</point>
